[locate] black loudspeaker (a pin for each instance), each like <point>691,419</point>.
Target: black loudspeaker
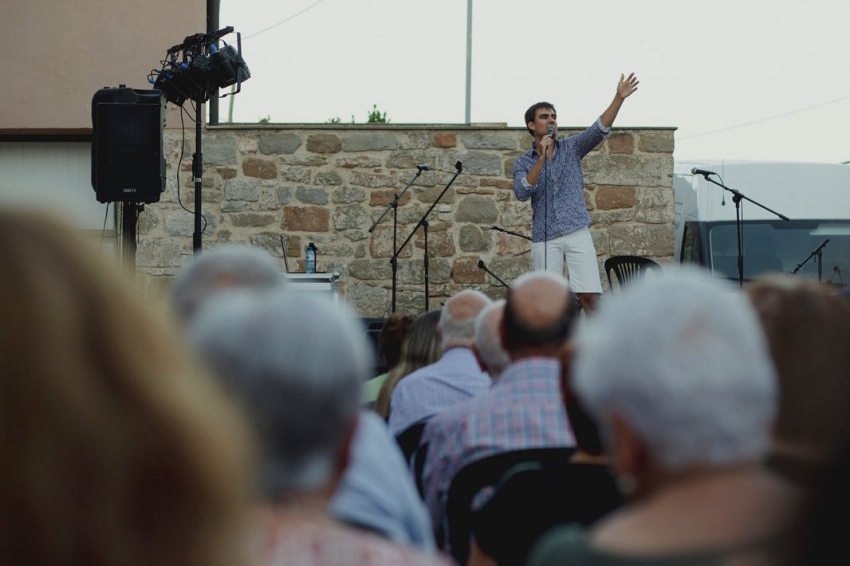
<point>373,328</point>
<point>128,164</point>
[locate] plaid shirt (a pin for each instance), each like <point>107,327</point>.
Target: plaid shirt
<point>561,184</point>
<point>455,377</point>
<point>523,409</point>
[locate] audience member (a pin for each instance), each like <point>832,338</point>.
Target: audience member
<point>299,382</point>
<point>678,373</point>
<point>455,377</point>
<point>390,339</point>
<point>523,409</point>
<point>531,501</point>
<point>488,348</point>
<point>116,447</point>
<point>376,491</point>
<point>232,266</point>
<point>421,347</point>
<point>808,330</point>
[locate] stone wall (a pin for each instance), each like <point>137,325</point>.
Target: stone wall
<point>327,184</point>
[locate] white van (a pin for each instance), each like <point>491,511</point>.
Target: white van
<point>814,196</point>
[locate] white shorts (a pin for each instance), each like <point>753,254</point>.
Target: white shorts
<point>582,268</point>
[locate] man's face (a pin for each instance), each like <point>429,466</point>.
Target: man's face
<point>543,118</point>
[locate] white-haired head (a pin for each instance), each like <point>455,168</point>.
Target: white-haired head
<point>229,267</point>
<point>488,340</point>
<point>683,360</point>
<point>296,361</point>
<point>457,321</point>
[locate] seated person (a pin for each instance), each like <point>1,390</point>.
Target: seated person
<point>529,502</point>
<point>808,329</point>
<point>300,384</point>
<point>687,402</point>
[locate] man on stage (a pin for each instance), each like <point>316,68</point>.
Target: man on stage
<point>550,174</point>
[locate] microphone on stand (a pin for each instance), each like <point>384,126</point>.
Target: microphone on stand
<point>424,167</point>
<point>483,267</point>
<point>703,172</point>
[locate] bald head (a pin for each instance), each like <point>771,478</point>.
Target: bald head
<point>539,314</point>
<point>457,321</point>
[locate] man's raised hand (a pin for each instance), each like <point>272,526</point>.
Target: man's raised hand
<point>627,86</point>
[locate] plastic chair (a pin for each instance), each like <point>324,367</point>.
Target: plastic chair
<point>628,269</point>
<point>488,472</point>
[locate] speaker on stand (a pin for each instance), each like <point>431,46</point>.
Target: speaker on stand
<point>128,165</point>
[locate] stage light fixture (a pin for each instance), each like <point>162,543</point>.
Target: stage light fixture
<point>194,69</point>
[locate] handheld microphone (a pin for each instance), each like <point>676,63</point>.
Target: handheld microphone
<point>481,264</point>
<point>424,167</point>
<point>703,172</point>
<point>550,131</point>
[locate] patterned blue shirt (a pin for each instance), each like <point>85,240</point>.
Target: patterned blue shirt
<point>455,377</point>
<point>523,409</point>
<point>561,184</point>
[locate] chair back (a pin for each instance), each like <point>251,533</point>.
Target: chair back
<point>628,269</point>
<point>483,473</point>
<point>408,440</point>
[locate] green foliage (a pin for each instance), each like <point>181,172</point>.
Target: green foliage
<point>375,116</point>
<point>266,120</point>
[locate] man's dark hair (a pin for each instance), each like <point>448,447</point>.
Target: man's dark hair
<point>531,113</point>
<point>520,332</point>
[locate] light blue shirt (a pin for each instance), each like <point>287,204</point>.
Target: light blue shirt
<point>377,490</point>
<point>427,391</point>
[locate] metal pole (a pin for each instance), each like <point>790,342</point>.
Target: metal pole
<point>468,59</point>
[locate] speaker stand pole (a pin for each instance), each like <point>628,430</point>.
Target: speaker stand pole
<point>129,216</point>
<point>197,173</point>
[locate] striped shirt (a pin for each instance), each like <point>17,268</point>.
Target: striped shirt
<point>455,377</point>
<point>557,201</point>
<point>524,409</point>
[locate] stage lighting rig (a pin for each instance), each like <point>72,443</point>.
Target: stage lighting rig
<point>194,69</point>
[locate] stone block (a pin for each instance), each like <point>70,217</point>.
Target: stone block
<point>242,188</point>
<point>488,140</point>
<point>370,301</point>
<point>277,143</point>
<point>305,219</point>
<point>641,240</point>
<point>385,197</point>
<point>296,174</point>
<point>480,163</point>
<point>359,161</point>
<point>253,220</point>
<point>370,269</point>
<point>444,140</point>
<point>477,209</point>
<point>655,205</point>
<point>510,267</point>
<point>219,149</point>
<point>465,270</point>
<point>348,195</point>
<point>414,140</point>
<point>331,178</point>
<point>440,242</point>
<point>369,141</point>
<point>621,143</point>
<point>371,180</point>
<point>308,195</point>
<point>510,245</point>
<point>324,143</point>
<point>610,198</point>
<point>515,215</point>
<point>381,244</point>
<point>628,170</point>
<point>259,168</point>
<point>159,252</point>
<point>431,194</point>
<point>351,217</point>
<point>474,239</point>
<point>656,142</point>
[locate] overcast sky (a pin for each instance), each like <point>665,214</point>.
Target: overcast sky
<point>742,79</point>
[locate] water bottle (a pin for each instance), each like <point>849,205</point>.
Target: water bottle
<point>310,258</point>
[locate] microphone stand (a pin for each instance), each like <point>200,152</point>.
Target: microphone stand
<point>496,277</point>
<point>816,252</point>
<point>737,197</point>
<point>424,223</point>
<point>511,233</point>
<point>394,206</point>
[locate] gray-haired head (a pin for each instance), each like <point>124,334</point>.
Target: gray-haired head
<point>228,267</point>
<point>457,321</point>
<point>296,362</point>
<point>683,360</point>
<point>488,340</point>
